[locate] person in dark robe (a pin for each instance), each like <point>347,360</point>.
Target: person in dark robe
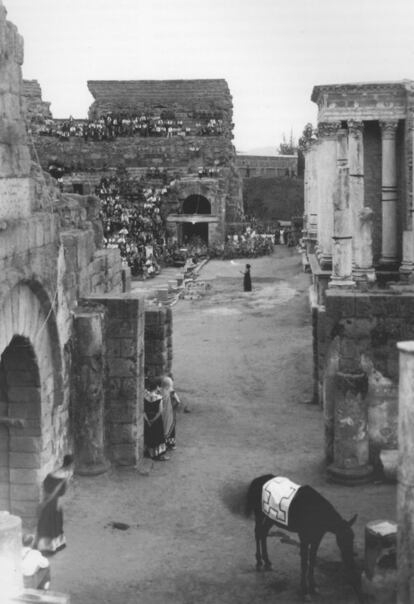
<point>154,437</point>
<point>247,281</point>
<point>50,537</point>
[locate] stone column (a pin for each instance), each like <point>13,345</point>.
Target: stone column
<point>363,269</point>
<point>351,442</point>
<point>88,407</point>
<point>389,196</point>
<point>405,490</point>
<point>326,180</point>
<point>342,219</point>
<point>10,556</point>
<point>407,264</point>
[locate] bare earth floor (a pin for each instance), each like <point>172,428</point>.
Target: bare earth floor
<point>243,363</point>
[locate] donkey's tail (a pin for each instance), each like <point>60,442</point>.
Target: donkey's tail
<point>254,494</point>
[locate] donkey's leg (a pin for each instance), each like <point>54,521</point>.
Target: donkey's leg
<point>257,534</point>
<point>312,559</point>
<point>267,523</point>
<point>304,552</point>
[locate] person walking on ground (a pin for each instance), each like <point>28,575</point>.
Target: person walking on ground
<point>50,537</point>
<point>154,438</point>
<point>170,402</point>
<point>247,281</point>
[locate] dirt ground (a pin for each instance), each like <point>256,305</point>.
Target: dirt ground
<point>243,364</point>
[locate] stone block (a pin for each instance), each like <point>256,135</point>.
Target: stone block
<point>124,454</point>
<point>24,492</point>
<point>155,332</point>
<point>129,347</point>
<point>122,433</point>
<point>24,460</point>
<point>26,508</point>
<point>122,414</point>
<point>122,368</point>
<point>154,317</point>
<point>155,347</point>
<point>24,476</point>
<point>25,444</point>
<point>113,347</point>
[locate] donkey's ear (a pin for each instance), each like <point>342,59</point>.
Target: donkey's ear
<point>352,521</point>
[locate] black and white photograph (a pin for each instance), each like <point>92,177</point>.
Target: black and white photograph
<point>206,302</point>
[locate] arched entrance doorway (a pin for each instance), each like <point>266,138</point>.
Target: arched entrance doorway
<point>20,429</point>
<point>33,419</point>
<point>196,205</point>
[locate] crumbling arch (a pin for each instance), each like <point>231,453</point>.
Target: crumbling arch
<point>196,204</point>
<point>30,387</point>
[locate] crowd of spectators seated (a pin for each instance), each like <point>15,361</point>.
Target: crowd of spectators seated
<point>113,125</point>
<point>203,171</point>
<point>133,221</point>
<point>249,244</point>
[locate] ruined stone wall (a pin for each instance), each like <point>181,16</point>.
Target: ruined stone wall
<point>358,333</point>
<point>187,100</point>
<point>33,106</point>
<point>135,151</point>
<point>158,341</point>
<point>50,256</point>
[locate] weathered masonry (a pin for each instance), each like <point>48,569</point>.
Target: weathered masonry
<point>360,244</point>
<point>205,204</point>
<point>267,166</point>
<point>71,338</point>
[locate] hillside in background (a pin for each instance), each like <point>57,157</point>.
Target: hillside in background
<point>272,199</point>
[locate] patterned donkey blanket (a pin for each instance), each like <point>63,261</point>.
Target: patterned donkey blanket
<point>277,495</point>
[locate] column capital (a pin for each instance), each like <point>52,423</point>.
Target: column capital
<point>355,127</point>
<point>328,130</point>
<point>389,129</point>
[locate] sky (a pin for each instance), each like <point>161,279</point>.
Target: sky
<point>270,52</point>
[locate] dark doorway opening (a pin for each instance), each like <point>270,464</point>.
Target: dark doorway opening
<point>190,231</point>
<point>20,399</point>
<point>196,204</point>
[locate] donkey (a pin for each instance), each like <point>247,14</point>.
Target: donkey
<point>311,516</point>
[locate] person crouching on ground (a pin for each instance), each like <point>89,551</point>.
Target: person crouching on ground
<point>35,566</point>
<point>154,438</point>
<point>50,537</point>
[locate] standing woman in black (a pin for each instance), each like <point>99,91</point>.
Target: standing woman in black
<point>247,282</point>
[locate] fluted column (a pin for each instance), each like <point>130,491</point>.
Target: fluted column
<point>389,197</point>
<point>326,167</point>
<point>342,219</point>
<point>405,491</point>
<point>363,269</point>
<point>407,264</point>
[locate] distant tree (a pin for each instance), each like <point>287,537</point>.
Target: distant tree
<point>288,148</point>
<point>309,135</point>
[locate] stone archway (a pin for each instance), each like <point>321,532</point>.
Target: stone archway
<point>30,390</point>
<point>196,205</point>
<point>20,399</point>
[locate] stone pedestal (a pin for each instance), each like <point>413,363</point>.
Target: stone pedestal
<point>389,196</point>
<point>405,491</point>
<point>11,577</point>
<point>379,579</point>
<point>88,415</point>
<point>351,444</point>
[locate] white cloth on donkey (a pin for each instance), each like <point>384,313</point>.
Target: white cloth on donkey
<point>277,495</point>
